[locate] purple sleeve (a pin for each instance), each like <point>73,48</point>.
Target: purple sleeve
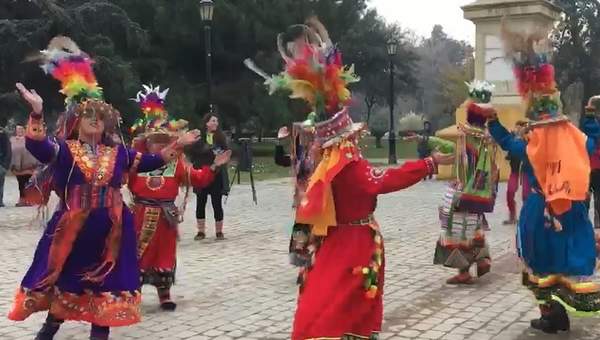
<point>144,162</point>
<point>43,150</point>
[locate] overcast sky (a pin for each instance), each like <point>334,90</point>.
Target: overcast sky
<point>421,15</point>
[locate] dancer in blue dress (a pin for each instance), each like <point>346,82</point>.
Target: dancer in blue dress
<point>555,236</point>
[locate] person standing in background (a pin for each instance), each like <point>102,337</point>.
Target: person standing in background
<point>23,163</point>
<point>516,177</point>
<point>5,156</point>
<point>593,107</point>
<point>202,153</point>
<point>422,146</point>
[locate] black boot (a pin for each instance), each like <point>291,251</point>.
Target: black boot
<point>49,328</point>
<point>554,318</point>
<point>559,316</point>
<point>164,295</point>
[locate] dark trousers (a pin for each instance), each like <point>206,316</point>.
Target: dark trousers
<point>22,180</point>
<point>2,178</point>
<point>216,198</point>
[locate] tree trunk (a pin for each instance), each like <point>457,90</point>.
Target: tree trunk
<point>378,144</point>
<point>370,103</point>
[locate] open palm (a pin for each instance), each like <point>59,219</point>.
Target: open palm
<point>189,137</point>
<point>35,101</point>
<point>223,158</point>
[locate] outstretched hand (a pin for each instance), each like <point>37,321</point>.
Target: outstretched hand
<point>283,133</point>
<point>412,137</point>
<point>222,158</point>
<point>35,101</point>
<point>442,158</point>
<point>189,138</point>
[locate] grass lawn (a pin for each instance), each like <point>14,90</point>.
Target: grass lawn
<point>265,167</point>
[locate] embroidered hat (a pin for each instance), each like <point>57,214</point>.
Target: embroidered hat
<point>155,118</point>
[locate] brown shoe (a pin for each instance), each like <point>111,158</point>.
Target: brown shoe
<point>460,279</point>
<point>483,267</point>
<point>220,236</point>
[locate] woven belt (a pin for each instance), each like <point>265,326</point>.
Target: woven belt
<point>171,213</point>
<point>92,197</point>
<point>153,202</point>
<point>368,220</point>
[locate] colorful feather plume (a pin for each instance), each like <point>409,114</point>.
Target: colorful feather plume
<point>155,118</point>
<point>65,62</point>
<point>314,71</point>
<point>533,71</point>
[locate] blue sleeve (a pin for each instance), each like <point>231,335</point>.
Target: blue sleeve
<point>143,162</point>
<point>590,126</point>
<point>516,147</point>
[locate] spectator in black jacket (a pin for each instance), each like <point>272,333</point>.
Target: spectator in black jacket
<point>212,142</point>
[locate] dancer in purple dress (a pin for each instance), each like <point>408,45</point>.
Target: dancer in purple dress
<point>85,267</point>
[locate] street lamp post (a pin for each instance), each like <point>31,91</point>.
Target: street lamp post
<point>206,14</point>
<point>392,49</point>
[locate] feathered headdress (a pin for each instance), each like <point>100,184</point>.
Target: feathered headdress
<point>480,94</point>
<point>155,118</point>
<point>64,61</point>
<point>73,68</point>
<point>314,70</point>
<point>533,71</point>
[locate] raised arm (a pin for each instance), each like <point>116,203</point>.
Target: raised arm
<point>442,145</point>
<point>36,141</point>
<point>508,142</point>
<point>139,162</point>
<point>197,178</point>
<point>383,181</point>
<point>143,162</point>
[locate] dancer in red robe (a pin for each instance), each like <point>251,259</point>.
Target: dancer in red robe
<point>341,292</point>
<point>155,213</point>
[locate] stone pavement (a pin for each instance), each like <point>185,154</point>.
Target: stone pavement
<point>243,288</point>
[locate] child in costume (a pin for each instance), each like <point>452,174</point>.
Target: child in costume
<point>555,235</point>
<point>341,295</point>
<point>155,215</point>
<point>462,241</point>
<point>85,265</point>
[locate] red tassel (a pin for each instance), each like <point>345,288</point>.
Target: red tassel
<point>66,233</point>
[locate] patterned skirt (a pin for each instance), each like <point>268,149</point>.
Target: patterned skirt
<point>560,256</point>
<point>114,302</point>
<point>462,240</point>
<point>157,247</point>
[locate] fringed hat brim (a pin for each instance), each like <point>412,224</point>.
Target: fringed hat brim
<point>352,130</point>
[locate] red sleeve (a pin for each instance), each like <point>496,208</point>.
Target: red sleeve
<point>199,178</point>
<point>385,181</point>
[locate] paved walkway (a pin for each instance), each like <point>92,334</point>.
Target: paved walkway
<point>243,288</point>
